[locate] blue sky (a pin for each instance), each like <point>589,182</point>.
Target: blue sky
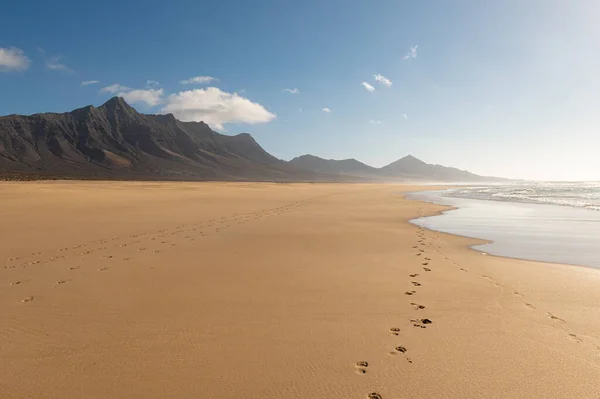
<point>508,89</point>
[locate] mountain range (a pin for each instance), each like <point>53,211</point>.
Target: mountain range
<point>115,141</point>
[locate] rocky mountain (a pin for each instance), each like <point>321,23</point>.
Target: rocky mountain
<point>115,141</point>
<point>348,167</point>
<point>405,169</point>
<point>410,167</point>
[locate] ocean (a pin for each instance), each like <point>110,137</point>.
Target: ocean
<point>550,222</point>
<point>579,195</point>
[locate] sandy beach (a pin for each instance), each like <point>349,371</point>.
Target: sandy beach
<point>248,290</point>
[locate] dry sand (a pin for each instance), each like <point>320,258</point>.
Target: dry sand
<point>216,290</point>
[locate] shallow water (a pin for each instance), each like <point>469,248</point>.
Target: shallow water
<point>549,233</point>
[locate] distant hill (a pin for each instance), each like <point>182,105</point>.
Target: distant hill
<point>114,141</point>
<point>404,169</point>
<point>348,167</point>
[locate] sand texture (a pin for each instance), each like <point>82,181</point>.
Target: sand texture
<point>232,290</point>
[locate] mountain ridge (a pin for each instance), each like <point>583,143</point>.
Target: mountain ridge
<point>405,168</point>
<point>115,141</point>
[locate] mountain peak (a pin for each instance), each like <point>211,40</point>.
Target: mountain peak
<point>411,159</point>
<point>116,102</point>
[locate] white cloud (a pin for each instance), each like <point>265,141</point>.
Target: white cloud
<point>405,117</point>
<point>292,91</point>
<point>198,80</point>
<point>383,80</point>
<point>89,82</point>
<point>53,62</point>
<point>368,86</point>
<point>326,110</point>
<point>152,83</point>
<point>114,88</point>
<point>13,59</point>
<point>412,53</point>
<point>215,107</point>
<point>375,122</point>
<point>150,97</point>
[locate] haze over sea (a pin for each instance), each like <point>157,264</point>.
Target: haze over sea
<point>550,222</point>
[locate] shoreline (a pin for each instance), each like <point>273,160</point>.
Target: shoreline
<point>442,226</point>
<point>270,291</point>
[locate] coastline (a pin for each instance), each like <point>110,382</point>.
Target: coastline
<point>268,290</point>
<point>552,233</point>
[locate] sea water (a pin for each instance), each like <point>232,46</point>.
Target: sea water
<point>550,222</point>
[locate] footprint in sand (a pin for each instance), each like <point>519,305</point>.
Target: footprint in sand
<point>361,367</point>
<point>421,323</point>
<point>374,395</point>
<point>413,275</point>
<point>74,267</point>
<point>400,349</point>
<point>530,306</point>
<point>15,283</point>
<point>395,331</point>
<point>60,282</point>
<point>102,269</point>
<point>464,270</point>
<point>427,269</point>
<point>28,299</point>
<point>425,263</point>
<point>427,258</point>
<point>410,292</point>
<point>416,283</point>
<point>417,306</point>
<point>553,317</point>
<point>491,280</point>
<point>575,338</point>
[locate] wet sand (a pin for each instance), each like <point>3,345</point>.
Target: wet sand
<point>539,232</point>
<point>224,290</point>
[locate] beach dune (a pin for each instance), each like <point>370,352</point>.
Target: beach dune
<point>248,290</point>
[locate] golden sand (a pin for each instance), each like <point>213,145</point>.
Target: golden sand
<point>231,290</point>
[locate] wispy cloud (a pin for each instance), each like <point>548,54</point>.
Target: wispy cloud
<point>13,59</point>
<point>114,88</point>
<point>215,107</point>
<point>412,53</point>
<point>89,82</point>
<point>53,62</point>
<point>405,117</point>
<point>327,110</point>
<point>198,80</point>
<point>292,91</point>
<point>373,122</point>
<point>383,80</point>
<point>368,86</point>
<point>149,97</point>
<point>152,83</point>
